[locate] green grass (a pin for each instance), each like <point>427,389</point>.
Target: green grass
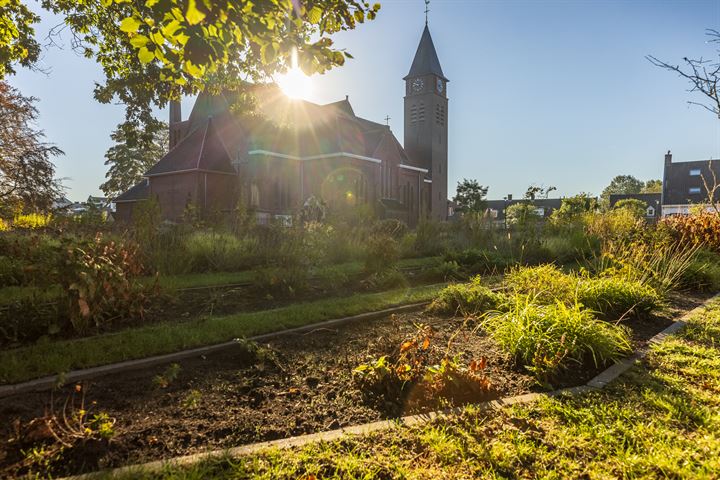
<point>193,280</point>
<point>60,356</point>
<point>659,420</point>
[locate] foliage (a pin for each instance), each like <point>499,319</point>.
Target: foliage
<point>390,376</point>
<point>32,221</point>
<point>382,253</point>
<point>614,225</point>
<point>652,186</point>
<point>658,264</point>
<point>470,196</point>
<point>390,227</point>
<point>703,273</point>
<point>466,299</point>
<point>100,281</point>
<point>549,338</point>
<point>702,228</point>
<point>430,237</point>
<point>636,207</point>
<point>613,298</point>
<point>132,154</point>
<point>155,51</point>
<point>17,36</point>
<point>167,377</point>
<point>28,174</point>
<point>621,184</point>
<point>573,209</point>
<point>522,215</point>
<point>543,283</point>
<point>478,261</point>
<point>384,280</point>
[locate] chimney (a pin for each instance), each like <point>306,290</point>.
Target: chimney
<point>509,197</point>
<point>668,158</point>
<point>175,112</point>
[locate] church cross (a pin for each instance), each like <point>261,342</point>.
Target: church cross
<point>427,9</point>
<point>387,120</point>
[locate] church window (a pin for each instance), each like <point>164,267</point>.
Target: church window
<point>413,114</point>
<point>421,113</point>
<point>440,115</point>
<point>254,195</point>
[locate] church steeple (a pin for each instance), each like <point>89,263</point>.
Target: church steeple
<point>426,121</point>
<point>426,59</point>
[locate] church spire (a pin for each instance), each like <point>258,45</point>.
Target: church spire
<point>426,59</point>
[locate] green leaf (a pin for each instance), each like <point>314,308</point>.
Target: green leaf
<point>314,15</point>
<point>193,15</point>
<point>139,41</point>
<point>130,25</point>
<point>145,55</point>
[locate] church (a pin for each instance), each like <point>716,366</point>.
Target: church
<point>289,151</point>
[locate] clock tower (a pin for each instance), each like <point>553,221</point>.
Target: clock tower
<point>426,116</point>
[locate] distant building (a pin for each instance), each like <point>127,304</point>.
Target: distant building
<point>296,150</point>
<point>543,207</point>
<point>683,184</point>
<point>653,202</point>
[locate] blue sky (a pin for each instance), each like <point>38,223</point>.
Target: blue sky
<point>555,93</point>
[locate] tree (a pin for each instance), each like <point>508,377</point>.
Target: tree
<point>535,191</point>
<point>652,186</point>
<point>470,196</point>
<point>638,208</point>
<point>27,174</point>
<point>157,50</point>
<point>621,184</point>
<point>573,208</point>
<point>703,75</point>
<point>523,215</point>
<point>132,155</point>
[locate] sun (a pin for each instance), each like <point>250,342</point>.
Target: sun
<point>294,83</point>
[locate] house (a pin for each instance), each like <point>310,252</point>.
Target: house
<point>687,183</point>
<point>653,202</point>
<point>286,152</point>
<point>496,209</point>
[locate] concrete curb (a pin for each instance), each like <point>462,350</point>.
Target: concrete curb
<point>49,382</point>
<point>595,384</point>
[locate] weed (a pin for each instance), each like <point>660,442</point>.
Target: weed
<point>192,399</point>
<point>544,283</point>
<point>169,375</point>
<point>466,299</point>
<point>614,298</point>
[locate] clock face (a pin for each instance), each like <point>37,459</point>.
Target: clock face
<point>440,85</point>
<point>418,84</point>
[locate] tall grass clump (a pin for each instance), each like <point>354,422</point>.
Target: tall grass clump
<point>703,273</point>
<point>547,339</point>
<point>219,251</point>
<point>614,298</point>
<point>466,299</point>
<point>656,263</point>
<point>544,283</point>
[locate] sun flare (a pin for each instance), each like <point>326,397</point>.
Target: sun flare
<point>294,83</point>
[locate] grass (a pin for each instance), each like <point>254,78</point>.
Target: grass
<point>659,420</point>
<point>174,282</point>
<point>45,358</point>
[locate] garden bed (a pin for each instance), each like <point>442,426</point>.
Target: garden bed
<point>294,385</point>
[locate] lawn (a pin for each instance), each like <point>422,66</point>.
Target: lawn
<point>52,357</point>
<point>660,419</point>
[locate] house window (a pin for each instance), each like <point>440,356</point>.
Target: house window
<point>540,211</point>
<point>650,212</point>
<point>493,213</point>
<point>695,172</point>
<point>694,190</point>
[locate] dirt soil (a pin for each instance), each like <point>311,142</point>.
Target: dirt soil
<point>296,384</point>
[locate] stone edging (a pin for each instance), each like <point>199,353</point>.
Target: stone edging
<point>597,383</point>
<point>50,381</point>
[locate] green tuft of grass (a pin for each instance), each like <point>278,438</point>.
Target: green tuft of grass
<point>614,298</point>
<point>549,338</point>
<point>466,299</point>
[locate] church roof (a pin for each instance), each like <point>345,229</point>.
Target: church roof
<point>202,150</point>
<point>426,59</point>
<point>139,191</point>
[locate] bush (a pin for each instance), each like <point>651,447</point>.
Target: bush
<point>382,253</point>
<point>31,221</point>
<point>213,251</point>
<point>390,227</point>
<point>466,299</point>
<point>570,246</point>
<point>544,283</point>
<point>698,229</point>
<point>549,338</point>
<point>385,280</point>
<point>478,261</point>
<point>614,298</point>
<point>703,273</point>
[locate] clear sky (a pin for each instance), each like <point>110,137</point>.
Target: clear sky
<point>555,93</point>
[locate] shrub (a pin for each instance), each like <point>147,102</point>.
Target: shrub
<point>570,246</point>
<point>703,273</point>
<point>545,283</point>
<point>32,221</point>
<point>430,238</point>
<point>478,261</point>
<point>390,227</point>
<point>698,229</point>
<point>382,253</point>
<point>4,226</point>
<point>549,338</point>
<point>385,280</point>
<point>615,298</point>
<point>99,281</point>
<point>466,299</point>
<point>214,251</point>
